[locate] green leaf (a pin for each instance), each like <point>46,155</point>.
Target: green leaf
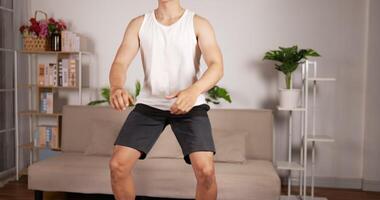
<point>137,88</point>
<point>96,102</point>
<point>289,58</point>
<point>216,93</point>
<point>311,52</point>
<point>106,93</point>
<point>210,100</point>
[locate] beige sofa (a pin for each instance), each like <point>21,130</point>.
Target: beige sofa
<point>73,171</point>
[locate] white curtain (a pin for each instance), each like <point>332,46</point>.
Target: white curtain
<point>7,114</point>
<point>13,13</point>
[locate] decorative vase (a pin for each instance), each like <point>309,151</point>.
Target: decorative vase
<point>55,41</point>
<point>290,98</point>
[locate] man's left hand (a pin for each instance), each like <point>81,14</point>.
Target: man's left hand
<point>185,100</point>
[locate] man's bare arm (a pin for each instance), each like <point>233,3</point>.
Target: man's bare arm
<point>119,98</point>
<point>211,55</point>
<point>214,60</point>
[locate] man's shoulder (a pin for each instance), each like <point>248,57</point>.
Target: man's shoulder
<point>199,19</point>
<point>201,23</point>
<point>137,19</point>
<point>136,22</point>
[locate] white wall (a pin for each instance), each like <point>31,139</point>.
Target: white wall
<point>246,29</point>
<point>371,171</point>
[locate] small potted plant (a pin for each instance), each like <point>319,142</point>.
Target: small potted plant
<point>288,59</point>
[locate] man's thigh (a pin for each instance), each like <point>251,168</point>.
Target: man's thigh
<point>141,130</point>
<point>193,132</point>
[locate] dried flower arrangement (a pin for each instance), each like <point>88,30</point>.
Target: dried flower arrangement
<point>42,28</point>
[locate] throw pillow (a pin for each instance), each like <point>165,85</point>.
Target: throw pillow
<point>229,145</point>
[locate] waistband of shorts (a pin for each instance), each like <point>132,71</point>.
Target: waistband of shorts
<point>198,110</point>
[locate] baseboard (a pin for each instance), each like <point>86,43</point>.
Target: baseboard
<point>330,182</point>
<point>373,186</point>
<point>7,176</point>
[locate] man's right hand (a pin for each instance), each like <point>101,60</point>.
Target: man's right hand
<point>120,99</point>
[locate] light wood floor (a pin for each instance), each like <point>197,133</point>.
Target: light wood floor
<point>17,190</point>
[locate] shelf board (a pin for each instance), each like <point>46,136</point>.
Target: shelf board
<point>27,146</point>
<point>320,138</point>
<point>52,52</point>
<point>300,109</point>
<point>285,165</point>
<point>24,86</point>
<point>34,112</point>
<point>321,79</point>
<point>58,87</point>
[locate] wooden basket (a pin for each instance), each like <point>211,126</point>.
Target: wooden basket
<point>33,43</point>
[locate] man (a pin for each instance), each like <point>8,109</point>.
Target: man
<point>171,40</point>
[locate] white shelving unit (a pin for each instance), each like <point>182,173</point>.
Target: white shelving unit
<point>33,88</point>
<point>306,136</point>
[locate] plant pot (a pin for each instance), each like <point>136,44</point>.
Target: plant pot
<point>290,98</point>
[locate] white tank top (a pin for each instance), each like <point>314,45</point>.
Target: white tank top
<point>170,58</point>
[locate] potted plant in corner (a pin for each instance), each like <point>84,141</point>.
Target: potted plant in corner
<point>288,59</point>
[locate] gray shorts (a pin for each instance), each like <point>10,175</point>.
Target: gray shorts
<point>144,124</point>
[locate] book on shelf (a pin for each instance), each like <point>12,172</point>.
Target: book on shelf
<point>71,73</point>
<point>61,74</point>
<point>53,74</point>
<point>70,41</point>
<point>47,136</point>
<point>46,102</point>
<point>41,74</point>
<point>50,102</point>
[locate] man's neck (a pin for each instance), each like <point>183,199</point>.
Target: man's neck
<point>169,9</point>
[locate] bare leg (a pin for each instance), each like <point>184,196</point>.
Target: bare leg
<point>121,164</point>
<point>203,166</point>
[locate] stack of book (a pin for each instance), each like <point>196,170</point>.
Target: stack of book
<point>70,41</point>
<point>47,74</point>
<point>46,102</point>
<point>63,74</point>
<point>48,137</point>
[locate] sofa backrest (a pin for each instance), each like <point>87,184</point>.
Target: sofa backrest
<point>76,121</point>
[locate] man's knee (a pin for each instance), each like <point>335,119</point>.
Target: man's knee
<point>122,160</point>
<point>205,175</point>
<point>118,165</point>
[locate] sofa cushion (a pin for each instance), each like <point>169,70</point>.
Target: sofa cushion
<point>229,145</point>
<point>103,135</point>
<point>160,177</point>
<point>71,172</point>
<point>166,146</point>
